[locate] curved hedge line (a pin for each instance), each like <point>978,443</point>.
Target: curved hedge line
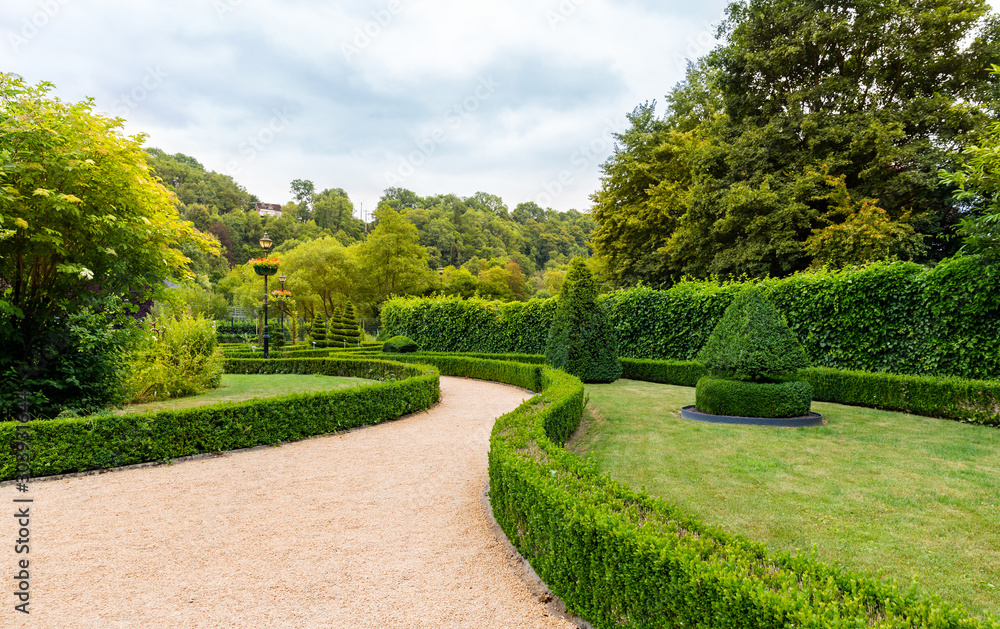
<point>889,317</point>
<point>59,446</point>
<point>620,558</point>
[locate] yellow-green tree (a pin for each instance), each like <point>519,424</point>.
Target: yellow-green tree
<point>392,259</point>
<point>87,234</point>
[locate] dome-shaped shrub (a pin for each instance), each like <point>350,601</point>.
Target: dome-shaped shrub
<point>752,342</point>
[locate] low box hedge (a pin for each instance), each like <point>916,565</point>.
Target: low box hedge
<point>619,558</point>
<point>972,401</point>
<point>723,396</point>
<point>97,442</point>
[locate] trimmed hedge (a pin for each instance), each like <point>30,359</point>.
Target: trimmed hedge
<point>723,396</point>
<point>453,324</point>
<point>531,359</point>
<point>103,441</point>
<point>972,401</point>
<point>685,373</point>
<point>895,317</point>
<point>620,558</point>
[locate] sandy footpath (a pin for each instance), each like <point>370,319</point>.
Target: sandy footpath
<point>379,527</point>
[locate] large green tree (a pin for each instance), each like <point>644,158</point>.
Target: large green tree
<point>88,234</point>
<point>393,262</point>
<point>803,97</point>
<point>978,183</point>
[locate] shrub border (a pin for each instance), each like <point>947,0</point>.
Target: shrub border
<point>620,558</point>
<point>970,401</point>
<point>60,446</point>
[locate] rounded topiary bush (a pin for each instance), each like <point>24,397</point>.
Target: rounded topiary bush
<point>581,340</point>
<point>399,345</point>
<point>724,396</point>
<point>750,357</point>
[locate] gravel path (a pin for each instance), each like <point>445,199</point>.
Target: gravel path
<point>379,527</point>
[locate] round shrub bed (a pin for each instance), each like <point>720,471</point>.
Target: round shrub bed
<point>722,396</point>
<point>399,345</point>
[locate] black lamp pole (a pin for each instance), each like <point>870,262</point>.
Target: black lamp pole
<point>265,244</point>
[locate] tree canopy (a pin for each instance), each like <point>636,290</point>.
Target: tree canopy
<point>814,125</point>
<point>86,228</point>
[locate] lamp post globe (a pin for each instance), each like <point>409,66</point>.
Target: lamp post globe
<point>265,244</point>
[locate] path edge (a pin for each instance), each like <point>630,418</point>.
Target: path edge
<point>520,566</point>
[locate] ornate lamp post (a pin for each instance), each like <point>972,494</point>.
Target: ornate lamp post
<point>265,244</point>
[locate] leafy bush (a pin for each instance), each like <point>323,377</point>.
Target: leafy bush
<point>399,345</point>
<point>752,342</point>
<point>82,364</point>
<point>724,396</point>
<point>184,360</point>
<point>580,339</point>
<point>103,441</point>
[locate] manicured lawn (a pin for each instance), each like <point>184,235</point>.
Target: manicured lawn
<point>240,387</point>
<point>913,497</point>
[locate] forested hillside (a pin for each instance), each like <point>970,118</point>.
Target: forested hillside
<point>455,245</point>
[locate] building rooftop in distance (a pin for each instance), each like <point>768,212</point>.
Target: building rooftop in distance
<point>268,209</point>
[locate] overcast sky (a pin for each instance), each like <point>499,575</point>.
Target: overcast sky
<point>517,98</point>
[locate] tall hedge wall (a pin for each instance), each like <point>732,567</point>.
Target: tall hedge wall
<point>891,317</point>
<point>451,324</point>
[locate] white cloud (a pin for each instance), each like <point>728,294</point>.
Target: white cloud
<point>361,87</point>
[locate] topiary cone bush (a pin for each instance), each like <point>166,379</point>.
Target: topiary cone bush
<point>318,330</point>
<point>581,340</point>
<point>336,333</point>
<point>751,357</point>
<point>352,332</point>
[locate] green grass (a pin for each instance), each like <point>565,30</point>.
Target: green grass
<point>910,497</point>
<point>237,388</point>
